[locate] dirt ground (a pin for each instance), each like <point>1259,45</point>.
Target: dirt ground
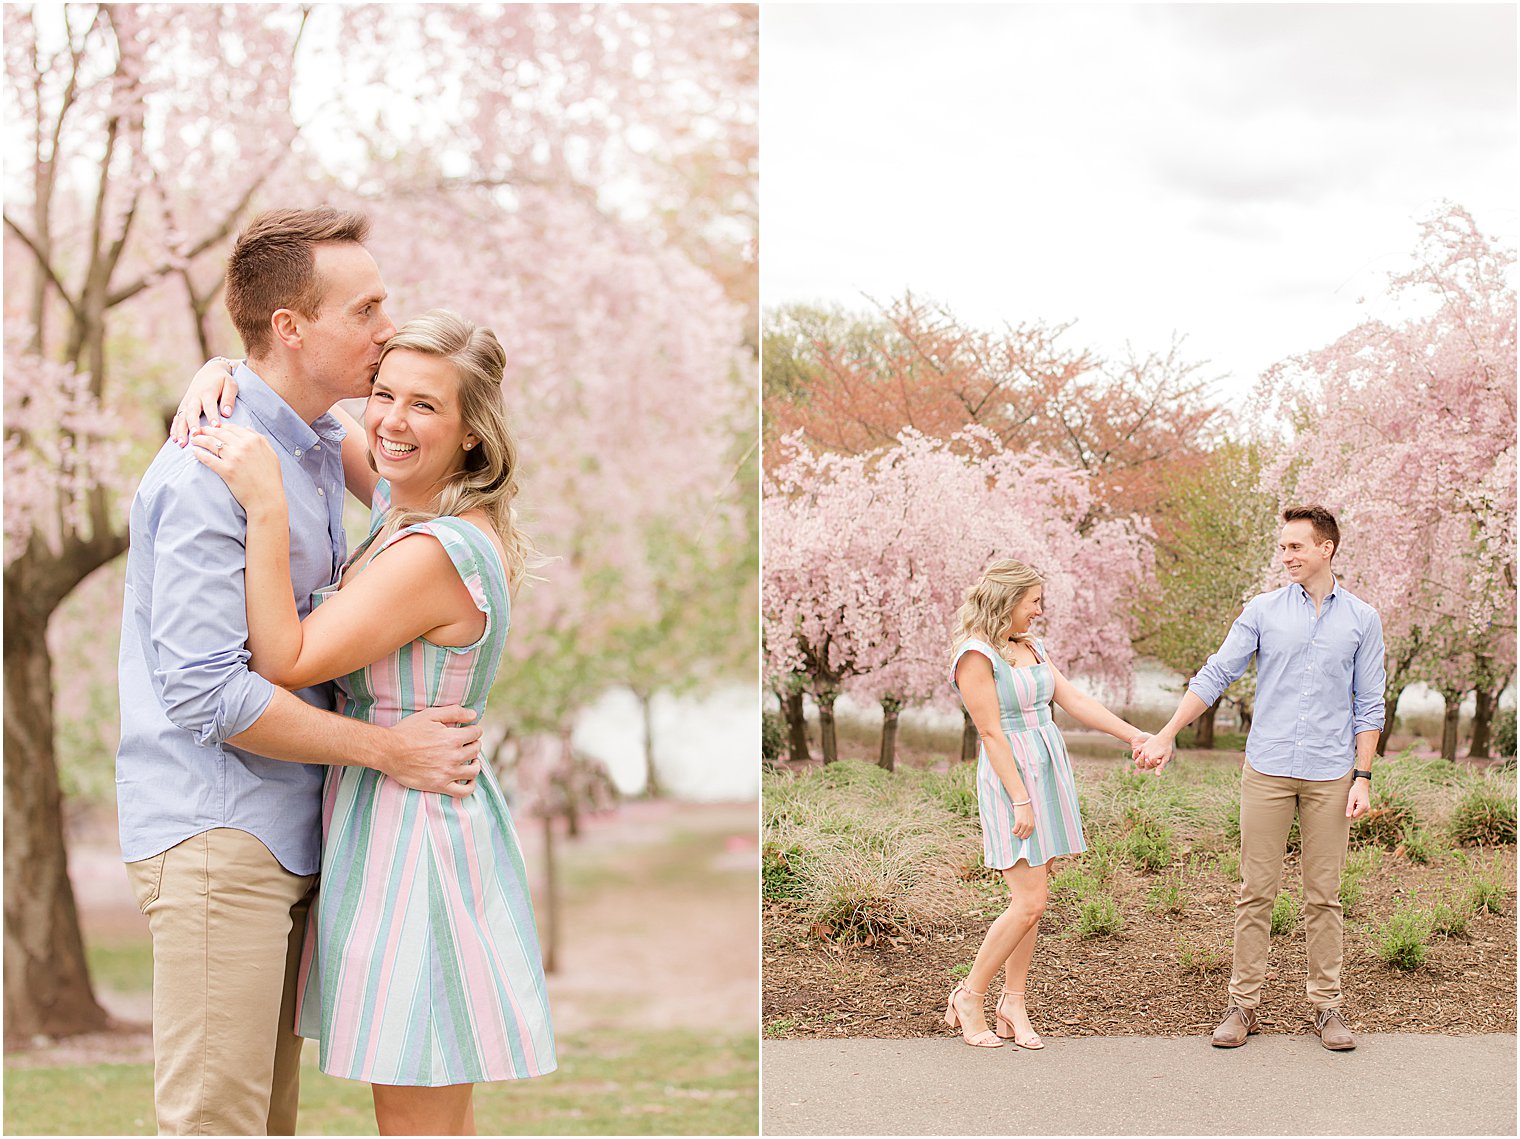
<point>660,922</point>
<point>1132,983</point>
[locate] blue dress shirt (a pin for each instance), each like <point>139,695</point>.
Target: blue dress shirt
<point>1319,680</point>
<point>183,672</point>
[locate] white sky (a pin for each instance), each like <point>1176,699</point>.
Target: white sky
<point>1241,174</point>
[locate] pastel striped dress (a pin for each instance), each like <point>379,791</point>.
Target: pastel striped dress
<point>421,965</point>
<point>1024,702</point>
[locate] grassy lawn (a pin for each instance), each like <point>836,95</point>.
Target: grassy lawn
<point>675,1082</point>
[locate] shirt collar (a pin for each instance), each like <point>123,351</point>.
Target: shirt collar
<point>285,427</point>
<point>1304,593</point>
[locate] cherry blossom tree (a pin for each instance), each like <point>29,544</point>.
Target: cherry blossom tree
<point>867,559</point>
<point>851,382</point>
<point>1406,424</point>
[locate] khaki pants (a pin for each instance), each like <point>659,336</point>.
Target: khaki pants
<point>227,922</point>
<point>1267,806</point>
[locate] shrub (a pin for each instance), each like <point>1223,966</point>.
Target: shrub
<point>772,736</point>
<point>1284,913</point>
<point>1448,920</point>
<point>778,877</point>
<point>1420,847</point>
<point>1485,816</point>
<point>1102,859</point>
<point>1099,917</point>
<point>1351,892</point>
<point>1368,860</point>
<point>1404,939</point>
<point>1201,959</point>
<point>1385,825</point>
<point>1149,845</point>
<point>1504,732</point>
<point>1485,895</point>
<point>1165,898</point>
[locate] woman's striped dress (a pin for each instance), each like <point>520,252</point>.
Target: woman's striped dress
<point>1024,701</point>
<point>421,964</point>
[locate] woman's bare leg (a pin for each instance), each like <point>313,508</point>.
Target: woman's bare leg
<point>448,1110</point>
<point>1006,936</point>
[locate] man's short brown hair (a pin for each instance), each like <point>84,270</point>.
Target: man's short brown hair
<point>272,266</point>
<point>1320,518</point>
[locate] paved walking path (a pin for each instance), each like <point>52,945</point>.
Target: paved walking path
<point>1392,1084</point>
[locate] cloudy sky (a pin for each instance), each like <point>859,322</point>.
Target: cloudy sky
<point>1240,174</point>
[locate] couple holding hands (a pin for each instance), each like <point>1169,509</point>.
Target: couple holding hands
<point>1319,711</point>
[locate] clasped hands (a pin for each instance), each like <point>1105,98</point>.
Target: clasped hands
<point>1151,752</point>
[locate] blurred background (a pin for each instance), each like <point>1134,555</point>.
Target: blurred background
<point>583,180</point>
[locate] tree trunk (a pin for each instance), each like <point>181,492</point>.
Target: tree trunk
<point>826,724</point>
<point>1449,724</point>
<point>796,728</point>
<point>1203,731</point>
<point>652,788</point>
<point>890,707</point>
<point>1487,704</point>
<point>1390,704</point>
<point>47,984</point>
<point>971,740</point>
<point>551,899</point>
<point>567,786</point>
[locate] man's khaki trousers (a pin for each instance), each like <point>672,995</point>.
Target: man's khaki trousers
<point>1267,807</point>
<point>227,922</point>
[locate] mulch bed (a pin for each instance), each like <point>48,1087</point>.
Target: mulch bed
<point>1131,983</point>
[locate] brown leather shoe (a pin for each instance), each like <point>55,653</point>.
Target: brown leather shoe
<point>1333,1031</point>
<point>1238,1023</point>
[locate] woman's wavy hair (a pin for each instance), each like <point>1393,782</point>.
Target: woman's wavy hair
<point>488,480</point>
<point>988,608</point>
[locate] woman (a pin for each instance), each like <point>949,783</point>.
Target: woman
<point>1026,796</point>
<point>421,972</point>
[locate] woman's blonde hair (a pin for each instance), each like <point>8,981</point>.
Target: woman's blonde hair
<point>988,608</point>
<point>488,480</point>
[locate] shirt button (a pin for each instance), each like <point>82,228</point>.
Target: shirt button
<point>298,452</point>
<point>320,495</point>
<point>316,446</point>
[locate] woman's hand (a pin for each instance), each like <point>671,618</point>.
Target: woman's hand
<point>1023,820</point>
<point>211,393</point>
<point>246,462</point>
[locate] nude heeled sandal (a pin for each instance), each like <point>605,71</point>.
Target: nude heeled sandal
<point>1031,1042</point>
<point>984,1039</point>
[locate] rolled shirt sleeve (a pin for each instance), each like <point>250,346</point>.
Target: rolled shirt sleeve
<point>1368,678</point>
<point>199,622</point>
<point>1229,663</point>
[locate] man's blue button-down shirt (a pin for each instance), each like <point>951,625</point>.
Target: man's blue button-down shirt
<point>1319,680</point>
<point>183,673</point>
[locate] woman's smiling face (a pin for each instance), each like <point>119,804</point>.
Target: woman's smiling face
<point>414,427</point>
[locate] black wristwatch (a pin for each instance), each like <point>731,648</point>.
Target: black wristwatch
<point>1358,773</point>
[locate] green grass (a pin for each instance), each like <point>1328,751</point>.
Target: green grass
<point>121,966</point>
<point>1284,914</point>
<point>676,1082</point>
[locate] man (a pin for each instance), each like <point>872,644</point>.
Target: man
<point>1319,709</point>
<point>218,775</point>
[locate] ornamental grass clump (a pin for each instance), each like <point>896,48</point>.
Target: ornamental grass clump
<point>856,852</point>
<point>1390,818</point>
<point>1485,816</point>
